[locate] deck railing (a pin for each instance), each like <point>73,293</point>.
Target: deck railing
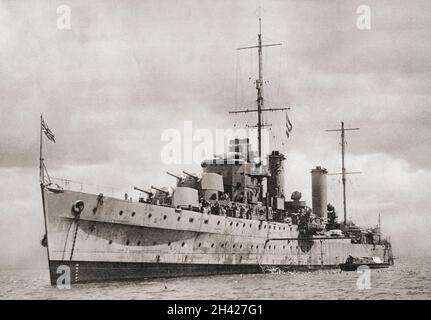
<point>72,185</point>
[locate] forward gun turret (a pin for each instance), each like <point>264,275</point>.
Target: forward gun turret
<point>149,193</point>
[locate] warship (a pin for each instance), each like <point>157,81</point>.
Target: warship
<point>234,217</point>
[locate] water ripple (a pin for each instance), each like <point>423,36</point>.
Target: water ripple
<point>409,279</point>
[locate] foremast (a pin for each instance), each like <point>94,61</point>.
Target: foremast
<point>260,105</point>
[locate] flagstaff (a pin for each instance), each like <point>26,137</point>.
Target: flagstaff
<point>48,133</point>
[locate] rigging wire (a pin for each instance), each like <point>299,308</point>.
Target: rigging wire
<point>279,72</point>
<point>236,80</point>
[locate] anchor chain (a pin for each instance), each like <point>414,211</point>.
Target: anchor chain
<point>74,236</point>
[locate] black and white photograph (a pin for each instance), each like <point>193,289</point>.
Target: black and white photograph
<point>204,150</point>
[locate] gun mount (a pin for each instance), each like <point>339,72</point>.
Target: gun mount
<point>175,176</point>
<point>144,191</point>
<point>191,175</point>
<point>160,190</point>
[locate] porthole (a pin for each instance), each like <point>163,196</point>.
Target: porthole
<point>139,243</point>
<point>222,245</point>
<point>257,247</point>
<point>199,244</point>
<point>158,258</point>
<point>169,244</point>
<point>231,223</point>
<point>251,247</point>
<point>164,217</point>
<point>284,247</point>
<point>110,241</point>
<point>233,246</point>
<point>290,228</point>
<point>179,218</point>
<point>250,225</point>
<point>191,220</point>
<point>212,245</point>
<point>206,221</point>
<point>94,210</point>
<point>240,259</point>
<point>183,244</point>
<point>149,215</point>
<point>264,226</point>
<point>218,222</point>
<point>133,213</point>
<point>284,228</point>
<point>243,225</point>
<point>127,242</point>
<point>121,213</point>
<point>185,259</point>
<point>240,246</point>
<point>274,247</point>
<point>279,228</point>
<point>237,224</point>
<point>269,227</point>
<point>269,247</point>
<point>154,243</point>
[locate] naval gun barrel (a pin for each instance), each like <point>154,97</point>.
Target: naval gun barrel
<point>191,175</point>
<point>160,190</point>
<point>142,190</point>
<point>173,175</point>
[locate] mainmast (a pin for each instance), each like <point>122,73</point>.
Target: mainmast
<point>343,168</point>
<point>260,99</point>
<point>259,87</point>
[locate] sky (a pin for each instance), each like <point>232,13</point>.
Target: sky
<point>126,71</point>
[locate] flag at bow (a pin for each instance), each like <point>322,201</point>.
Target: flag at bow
<point>289,126</point>
<point>46,130</point>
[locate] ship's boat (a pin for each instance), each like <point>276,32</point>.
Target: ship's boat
<point>353,263</point>
<point>218,222</point>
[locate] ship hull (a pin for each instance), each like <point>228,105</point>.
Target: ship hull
<point>95,271</point>
<point>114,239</point>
